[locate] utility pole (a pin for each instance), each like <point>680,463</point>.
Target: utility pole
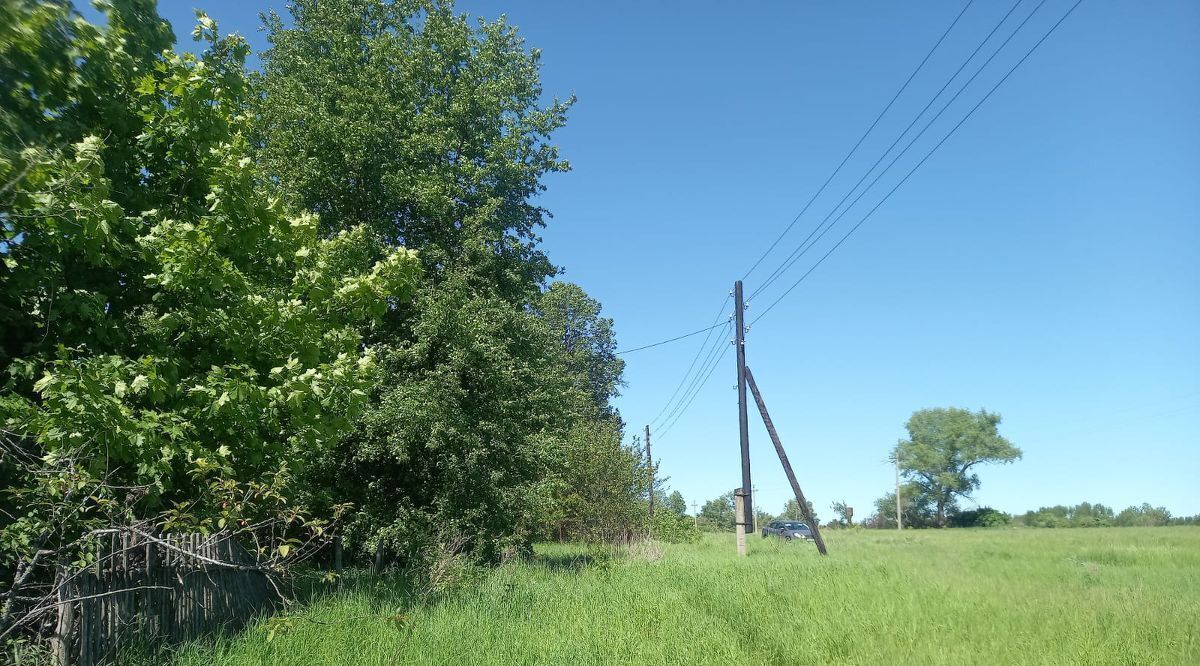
<point>695,515</point>
<point>899,520</point>
<point>650,466</point>
<point>739,518</point>
<point>754,500</point>
<point>743,421</point>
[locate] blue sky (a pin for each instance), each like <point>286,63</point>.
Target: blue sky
<point>1042,264</point>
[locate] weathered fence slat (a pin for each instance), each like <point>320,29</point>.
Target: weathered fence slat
<point>157,591</point>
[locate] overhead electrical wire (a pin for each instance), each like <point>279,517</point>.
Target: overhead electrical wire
<point>832,175</point>
<point>699,352</point>
<point>923,160</point>
<point>665,341</point>
<point>715,364</point>
<point>804,245</point>
<point>697,380</point>
<point>862,138</point>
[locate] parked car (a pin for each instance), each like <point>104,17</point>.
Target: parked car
<point>788,530</point>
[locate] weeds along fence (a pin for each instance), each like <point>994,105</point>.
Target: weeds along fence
<point>146,591</point>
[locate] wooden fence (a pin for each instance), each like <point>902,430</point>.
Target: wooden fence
<point>148,591</point>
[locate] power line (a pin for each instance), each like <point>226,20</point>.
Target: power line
<point>804,245</point>
<point>663,342</point>
<point>695,384</point>
<point>814,197</point>
<point>695,358</point>
<point>714,366</point>
<point>860,140</point>
<point>923,159</point>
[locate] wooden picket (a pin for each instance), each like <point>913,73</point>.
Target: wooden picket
<point>162,591</point>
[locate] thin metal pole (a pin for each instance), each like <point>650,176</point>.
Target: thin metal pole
<point>787,466</point>
<point>743,420</point>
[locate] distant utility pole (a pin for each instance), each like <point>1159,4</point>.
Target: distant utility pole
<point>695,516</point>
<point>754,500</point>
<point>899,520</point>
<point>739,308</point>
<point>650,466</point>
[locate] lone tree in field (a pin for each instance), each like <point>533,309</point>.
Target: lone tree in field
<point>942,447</point>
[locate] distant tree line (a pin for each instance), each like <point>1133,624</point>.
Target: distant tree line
<point>937,462</point>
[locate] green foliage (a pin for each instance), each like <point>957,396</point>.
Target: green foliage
<point>717,514</point>
<point>491,419</point>
<point>587,340</point>
<point>179,338</point>
<point>791,511</point>
<point>675,503</point>
<point>844,513</point>
<point>1143,516</point>
<point>670,527</point>
<point>982,517</point>
<point>463,432</point>
<point>943,445</point>
<point>918,508</point>
<point>405,116</point>
<point>1081,515</point>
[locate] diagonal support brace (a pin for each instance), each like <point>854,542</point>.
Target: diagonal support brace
<point>787,466</point>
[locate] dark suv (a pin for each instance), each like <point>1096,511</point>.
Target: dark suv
<point>788,530</point>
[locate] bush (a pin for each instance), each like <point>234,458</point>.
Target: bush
<point>982,517</point>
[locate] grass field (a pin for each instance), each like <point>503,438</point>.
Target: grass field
<point>1103,596</point>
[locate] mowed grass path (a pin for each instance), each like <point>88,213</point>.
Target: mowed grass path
<point>1020,596</point>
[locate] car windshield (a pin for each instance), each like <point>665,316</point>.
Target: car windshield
<point>795,526</point>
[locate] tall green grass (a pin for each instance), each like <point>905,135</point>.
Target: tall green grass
<point>1128,596</point>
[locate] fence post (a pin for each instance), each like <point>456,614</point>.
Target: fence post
<point>60,642</point>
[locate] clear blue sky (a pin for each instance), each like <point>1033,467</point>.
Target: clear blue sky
<point>1044,264</point>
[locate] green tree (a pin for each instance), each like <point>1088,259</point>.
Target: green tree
<point>403,115</point>
<point>717,514</point>
<point>791,511</point>
<point>587,340</point>
<point>465,435</point>
<point>430,129</point>
<point>943,446</point>
<point>675,503</point>
<point>918,508</point>
<point>183,341</point>
<point>1143,516</point>
<point>845,514</point>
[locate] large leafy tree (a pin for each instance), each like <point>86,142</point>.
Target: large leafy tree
<point>717,513</point>
<point>587,340</point>
<point>176,332</point>
<point>431,128</point>
<point>944,446</point>
<point>462,438</point>
<point>406,116</point>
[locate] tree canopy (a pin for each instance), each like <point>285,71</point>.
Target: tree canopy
<point>943,447</point>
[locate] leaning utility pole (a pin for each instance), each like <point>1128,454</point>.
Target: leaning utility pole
<point>650,466</point>
<point>739,307</point>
